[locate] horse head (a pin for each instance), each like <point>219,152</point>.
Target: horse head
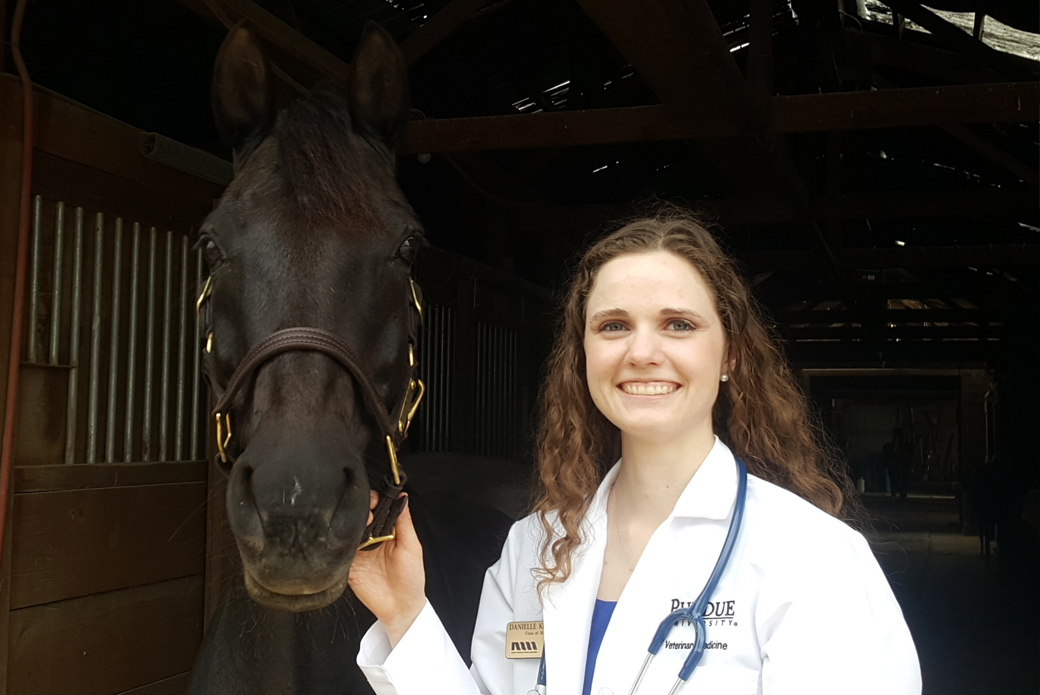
<point>310,311</point>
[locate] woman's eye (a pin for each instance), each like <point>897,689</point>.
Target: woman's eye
<point>611,327</point>
<point>680,325</point>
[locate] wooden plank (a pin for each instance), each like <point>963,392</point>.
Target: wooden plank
<point>109,643</point>
<point>93,189</point>
<point>1011,102</point>
<point>760,52</point>
<point>906,353</point>
<point>978,203</point>
<point>677,48</point>
<point>10,182</point>
<point>561,129</point>
<point>1014,102</point>
<point>849,332</point>
<point>997,255</point>
<point>993,153</point>
<point>175,685</point>
<point>72,131</point>
<point>916,57</point>
<point>39,424</point>
<point>826,317</point>
<point>102,475</point>
<point>81,542</point>
<point>284,38</point>
<point>439,27</point>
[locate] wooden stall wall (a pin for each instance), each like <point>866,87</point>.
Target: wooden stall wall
<point>485,338</point>
<point>103,576</point>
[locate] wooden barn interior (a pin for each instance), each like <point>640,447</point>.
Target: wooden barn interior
<point>873,166</point>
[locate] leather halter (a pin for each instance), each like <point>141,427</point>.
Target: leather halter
<point>306,339</point>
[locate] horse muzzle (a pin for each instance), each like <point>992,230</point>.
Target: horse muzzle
<point>295,597</point>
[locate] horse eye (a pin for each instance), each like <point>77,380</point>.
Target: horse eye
<point>408,249</point>
<point>212,254</point>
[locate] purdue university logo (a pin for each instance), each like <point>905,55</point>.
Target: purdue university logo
<point>716,613</point>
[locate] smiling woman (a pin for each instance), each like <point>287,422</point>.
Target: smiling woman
<point>681,478</point>
<point>655,349</point>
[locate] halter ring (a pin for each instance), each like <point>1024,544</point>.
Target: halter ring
<point>223,440</point>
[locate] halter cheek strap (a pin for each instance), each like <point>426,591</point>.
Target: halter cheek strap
<point>306,339</point>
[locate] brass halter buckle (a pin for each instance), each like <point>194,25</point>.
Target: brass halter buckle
<point>223,435</point>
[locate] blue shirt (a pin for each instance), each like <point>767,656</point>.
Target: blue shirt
<point>600,619</point>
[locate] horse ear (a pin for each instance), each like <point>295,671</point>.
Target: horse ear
<point>242,94</point>
<point>379,86</point>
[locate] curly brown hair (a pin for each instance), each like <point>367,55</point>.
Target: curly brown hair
<point>761,414</point>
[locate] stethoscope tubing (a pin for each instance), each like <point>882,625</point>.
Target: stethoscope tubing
<point>693,613</point>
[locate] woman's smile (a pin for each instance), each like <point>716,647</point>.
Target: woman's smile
<point>648,388</point>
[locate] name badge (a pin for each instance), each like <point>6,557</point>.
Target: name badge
<point>524,640</point>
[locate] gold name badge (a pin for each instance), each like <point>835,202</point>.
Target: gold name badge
<point>524,640</point>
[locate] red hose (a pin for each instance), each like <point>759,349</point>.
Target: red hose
<point>21,263</point>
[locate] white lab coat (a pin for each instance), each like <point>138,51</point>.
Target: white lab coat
<point>802,608</point>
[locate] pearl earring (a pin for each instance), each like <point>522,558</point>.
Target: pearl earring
<point>724,377</point>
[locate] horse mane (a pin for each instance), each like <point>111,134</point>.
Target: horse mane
<point>325,164</point>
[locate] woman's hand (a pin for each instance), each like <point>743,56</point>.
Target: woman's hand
<point>391,580</point>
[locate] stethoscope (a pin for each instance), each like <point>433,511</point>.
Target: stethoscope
<point>693,613</point>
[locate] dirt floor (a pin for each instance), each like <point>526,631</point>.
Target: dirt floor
<point>977,629</point>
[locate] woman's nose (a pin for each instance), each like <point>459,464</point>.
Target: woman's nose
<point>644,348</point>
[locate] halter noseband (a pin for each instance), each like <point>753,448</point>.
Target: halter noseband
<point>305,339</point>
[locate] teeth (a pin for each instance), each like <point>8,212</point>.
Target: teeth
<point>648,389</point>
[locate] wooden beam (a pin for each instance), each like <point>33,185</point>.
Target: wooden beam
<point>71,131</point>
<point>760,52</point>
<point>438,28</point>
<point>561,129</point>
<point>880,49</point>
<point>810,317</point>
<point>1015,102</point>
<point>976,203</point>
<point>1010,102</point>
<point>993,153</point>
<point>889,354</point>
<point>979,203</point>
<point>278,34</point>
<point>999,255</point>
<point>677,48</point>
<point>850,332</point>
<point>978,26</point>
<point>977,143</point>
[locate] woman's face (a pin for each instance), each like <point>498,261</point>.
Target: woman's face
<point>654,347</point>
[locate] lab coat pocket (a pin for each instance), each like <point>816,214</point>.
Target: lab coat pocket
<point>725,680</point>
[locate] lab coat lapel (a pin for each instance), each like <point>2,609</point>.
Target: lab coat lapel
<point>568,606</point>
<point>663,574</point>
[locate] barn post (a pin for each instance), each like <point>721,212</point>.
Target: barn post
<point>10,176</point>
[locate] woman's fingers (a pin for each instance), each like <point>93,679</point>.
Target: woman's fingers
<point>373,501</point>
<point>406,537</point>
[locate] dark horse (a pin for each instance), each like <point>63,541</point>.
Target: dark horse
<point>314,232</point>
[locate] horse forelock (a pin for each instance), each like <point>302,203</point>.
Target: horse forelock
<point>329,172</point>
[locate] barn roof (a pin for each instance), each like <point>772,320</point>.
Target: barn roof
<point>876,170</point>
